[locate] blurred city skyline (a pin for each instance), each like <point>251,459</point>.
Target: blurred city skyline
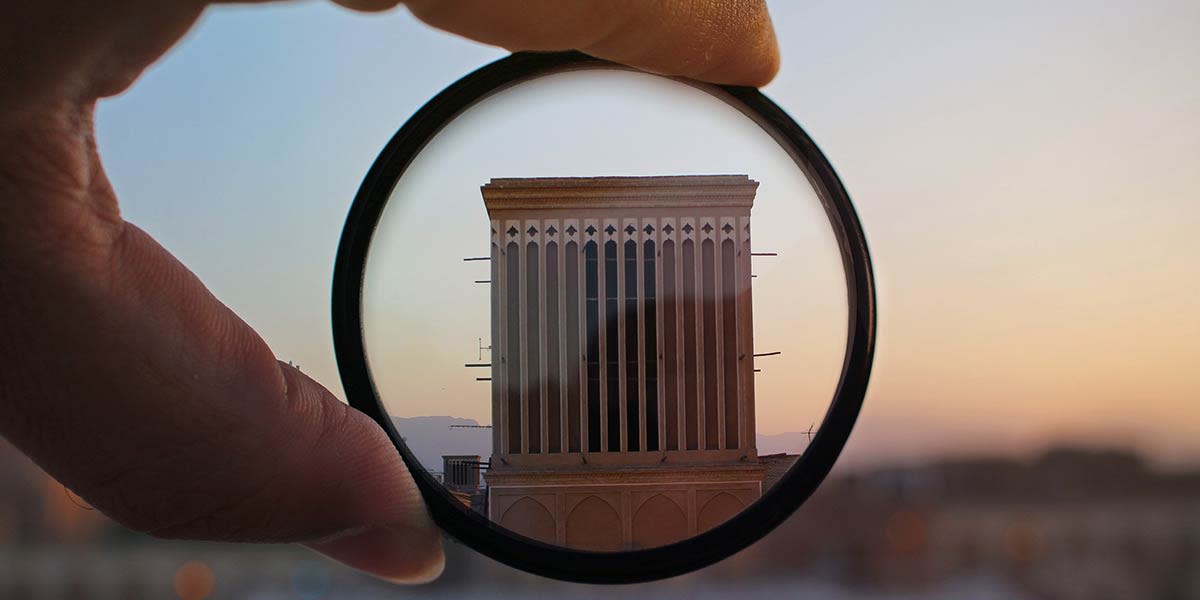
<point>1067,524</point>
<point>1026,174</point>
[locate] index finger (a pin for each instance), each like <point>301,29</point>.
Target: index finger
<point>731,41</point>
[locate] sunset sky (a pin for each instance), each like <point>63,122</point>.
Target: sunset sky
<point>423,313</point>
<point>1028,175</point>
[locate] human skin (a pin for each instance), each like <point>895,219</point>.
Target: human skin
<point>125,379</point>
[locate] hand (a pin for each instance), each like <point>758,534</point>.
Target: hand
<point>125,379</point>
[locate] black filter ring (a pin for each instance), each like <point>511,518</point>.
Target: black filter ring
<point>499,543</point>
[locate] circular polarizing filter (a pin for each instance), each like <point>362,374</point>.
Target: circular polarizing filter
<point>548,295</point>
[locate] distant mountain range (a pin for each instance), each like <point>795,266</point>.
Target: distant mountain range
<point>429,438</point>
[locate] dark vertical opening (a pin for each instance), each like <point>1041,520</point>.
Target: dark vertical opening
<point>650,318</point>
<point>691,400</point>
<point>572,354</point>
<point>553,387</point>
<point>670,355</point>
<point>612,346</point>
<point>708,273</point>
<point>497,373</point>
<point>510,352</point>
<point>592,285</point>
<point>533,349</point>
<point>632,402</point>
<point>729,333</point>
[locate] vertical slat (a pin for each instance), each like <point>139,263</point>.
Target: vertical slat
<point>543,379</point>
<point>718,325</point>
<point>648,343</point>
<point>573,362</point>
<point>707,340</point>
<point>522,344</point>
<point>670,340</point>
<point>622,374</point>
<point>584,391</point>
<point>691,348</point>
<point>612,307</point>
<point>564,383</point>
<point>535,430</point>
<point>680,365</point>
<point>581,346</point>
<point>659,358</point>
<point>497,369</point>
<point>730,272</point>
<point>640,278</point>
<point>746,413</point>
<point>511,344</point>
<point>601,334</point>
<point>632,418</point>
<point>593,325</point>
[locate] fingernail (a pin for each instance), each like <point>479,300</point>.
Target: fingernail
<point>401,554</point>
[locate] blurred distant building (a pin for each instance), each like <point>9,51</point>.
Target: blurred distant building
<point>1071,524</point>
<point>622,369</point>
<point>461,476</point>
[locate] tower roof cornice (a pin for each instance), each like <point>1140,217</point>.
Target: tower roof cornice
<point>661,191</point>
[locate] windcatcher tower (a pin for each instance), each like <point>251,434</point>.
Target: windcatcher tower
<point>622,369</point>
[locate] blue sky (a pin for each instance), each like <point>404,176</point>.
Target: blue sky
<point>1027,173</point>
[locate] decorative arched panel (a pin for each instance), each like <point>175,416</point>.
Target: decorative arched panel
<point>718,510</point>
<point>594,525</point>
<point>659,521</point>
<point>529,518</point>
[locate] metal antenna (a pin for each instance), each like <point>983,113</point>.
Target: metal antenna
<point>762,254</point>
<point>481,365</point>
<point>764,354</point>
